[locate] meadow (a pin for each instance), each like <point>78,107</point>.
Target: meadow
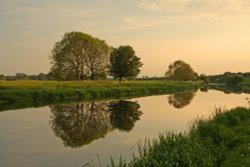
<point>42,92</point>
<point>223,140</point>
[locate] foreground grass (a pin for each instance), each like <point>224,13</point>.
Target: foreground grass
<point>222,141</point>
<point>40,92</point>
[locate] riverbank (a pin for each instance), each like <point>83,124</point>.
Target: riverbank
<point>243,87</point>
<point>42,92</point>
<point>223,140</point>
<point>246,84</point>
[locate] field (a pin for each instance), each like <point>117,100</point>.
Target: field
<point>40,92</point>
<point>223,140</point>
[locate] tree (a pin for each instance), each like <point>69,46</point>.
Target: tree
<point>204,78</point>
<point>79,56</point>
<point>234,79</point>
<point>124,63</point>
<point>229,78</point>
<point>96,59</point>
<point>181,71</point>
<point>2,77</point>
<point>21,76</point>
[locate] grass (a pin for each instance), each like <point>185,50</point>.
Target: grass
<point>222,141</point>
<point>246,84</point>
<point>44,92</point>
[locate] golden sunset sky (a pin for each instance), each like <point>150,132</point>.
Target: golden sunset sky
<point>213,36</point>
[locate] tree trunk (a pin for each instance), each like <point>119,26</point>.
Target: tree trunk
<point>77,68</point>
<point>120,79</point>
<point>92,73</point>
<point>77,74</point>
<point>92,76</point>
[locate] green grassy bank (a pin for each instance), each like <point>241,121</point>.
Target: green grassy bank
<point>222,141</point>
<point>40,92</point>
<point>245,85</point>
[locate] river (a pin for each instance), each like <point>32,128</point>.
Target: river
<point>91,132</point>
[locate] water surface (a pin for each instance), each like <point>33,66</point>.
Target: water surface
<point>74,134</point>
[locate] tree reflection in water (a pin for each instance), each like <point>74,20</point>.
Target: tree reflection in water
<point>80,124</point>
<point>180,100</point>
<point>124,114</point>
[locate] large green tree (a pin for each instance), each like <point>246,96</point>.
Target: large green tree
<point>181,71</point>
<point>124,63</point>
<point>79,56</point>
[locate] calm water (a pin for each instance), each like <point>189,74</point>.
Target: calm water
<point>73,134</point>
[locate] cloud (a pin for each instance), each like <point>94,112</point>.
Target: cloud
<point>138,23</point>
<point>168,5</point>
<point>199,8</point>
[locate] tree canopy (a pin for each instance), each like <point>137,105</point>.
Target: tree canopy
<point>124,63</point>
<point>204,78</point>
<point>229,78</point>
<point>79,56</point>
<point>181,71</point>
<point>235,79</point>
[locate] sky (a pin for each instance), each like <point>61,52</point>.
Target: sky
<point>212,36</point>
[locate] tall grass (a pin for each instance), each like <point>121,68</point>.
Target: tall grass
<point>40,92</point>
<point>222,141</point>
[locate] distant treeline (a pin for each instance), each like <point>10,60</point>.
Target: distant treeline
<point>50,77</point>
<point>23,76</point>
<point>178,71</point>
<point>229,78</point>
